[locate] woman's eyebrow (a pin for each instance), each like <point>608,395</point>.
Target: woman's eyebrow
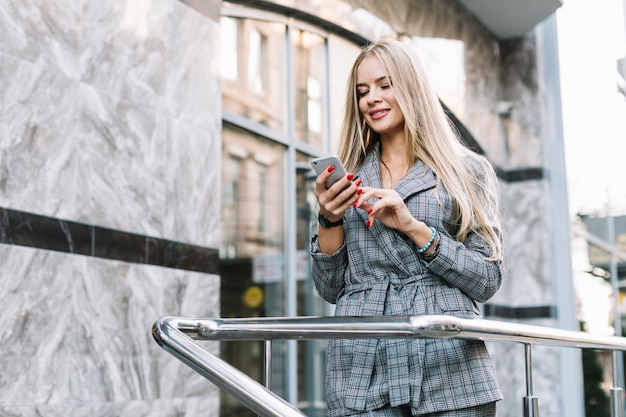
<point>377,80</point>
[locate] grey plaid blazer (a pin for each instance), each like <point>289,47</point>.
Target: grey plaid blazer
<point>378,272</point>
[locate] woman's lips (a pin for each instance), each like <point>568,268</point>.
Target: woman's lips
<point>377,114</point>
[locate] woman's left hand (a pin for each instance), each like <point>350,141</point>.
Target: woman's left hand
<point>389,208</point>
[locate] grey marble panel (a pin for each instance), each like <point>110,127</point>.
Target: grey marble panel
<point>188,407</point>
<point>36,411</point>
<point>116,358</point>
<point>192,73</point>
<point>192,208</point>
<point>43,32</point>
<point>528,281</point>
<point>35,322</point>
<point>121,163</point>
<point>97,151</point>
<point>38,169</point>
<point>76,331</point>
<point>123,48</point>
<point>157,53</point>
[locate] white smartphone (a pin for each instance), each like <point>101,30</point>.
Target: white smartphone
<point>321,164</point>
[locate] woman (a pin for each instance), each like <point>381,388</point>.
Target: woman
<point>417,233</point>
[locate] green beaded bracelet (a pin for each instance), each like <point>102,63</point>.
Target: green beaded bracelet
<point>430,242</point>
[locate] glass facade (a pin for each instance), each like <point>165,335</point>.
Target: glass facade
<point>277,102</point>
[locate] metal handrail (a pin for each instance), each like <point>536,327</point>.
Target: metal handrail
<point>178,336</point>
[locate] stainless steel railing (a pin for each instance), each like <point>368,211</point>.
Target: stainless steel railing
<point>178,336</point>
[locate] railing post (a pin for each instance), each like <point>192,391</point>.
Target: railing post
<point>531,403</point>
<point>267,365</point>
<point>617,399</point>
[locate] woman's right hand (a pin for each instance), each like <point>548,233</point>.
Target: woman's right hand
<point>334,201</point>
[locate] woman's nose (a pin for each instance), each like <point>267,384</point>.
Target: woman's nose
<point>374,97</point>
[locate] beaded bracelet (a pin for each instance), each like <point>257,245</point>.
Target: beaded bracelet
<point>430,242</point>
<point>430,256</point>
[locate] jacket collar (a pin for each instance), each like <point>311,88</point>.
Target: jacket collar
<point>419,177</point>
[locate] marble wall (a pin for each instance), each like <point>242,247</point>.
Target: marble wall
<point>110,114</point>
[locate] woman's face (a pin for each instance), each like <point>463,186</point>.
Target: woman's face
<point>377,103</point>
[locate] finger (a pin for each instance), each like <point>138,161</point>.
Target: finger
<point>378,193</point>
<point>344,183</point>
<point>365,205</point>
<point>322,177</point>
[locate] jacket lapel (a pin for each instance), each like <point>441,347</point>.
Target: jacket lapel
<point>418,179</point>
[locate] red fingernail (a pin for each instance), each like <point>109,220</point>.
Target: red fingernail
<point>356,203</point>
<point>350,176</point>
<point>359,191</point>
<point>358,183</point>
<point>368,224</point>
<point>331,168</point>
<point>370,211</point>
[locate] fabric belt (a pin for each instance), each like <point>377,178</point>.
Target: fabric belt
<point>390,296</point>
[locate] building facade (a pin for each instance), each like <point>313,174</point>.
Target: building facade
<point>155,162</point>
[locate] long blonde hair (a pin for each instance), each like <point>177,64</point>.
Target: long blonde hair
<point>468,177</point>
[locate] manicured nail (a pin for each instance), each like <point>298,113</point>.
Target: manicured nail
<point>350,176</point>
<point>358,183</point>
<point>331,168</point>
<point>359,191</point>
<point>369,224</point>
<point>370,211</point>
<point>356,203</point>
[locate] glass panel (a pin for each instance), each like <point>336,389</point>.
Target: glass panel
<point>341,56</point>
<point>252,252</point>
<point>309,70</point>
<point>311,354</point>
<point>253,70</point>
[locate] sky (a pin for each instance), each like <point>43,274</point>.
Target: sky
<point>591,38</point>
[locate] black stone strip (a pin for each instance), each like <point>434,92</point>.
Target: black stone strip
<point>522,174</point>
<point>42,232</point>
<point>507,312</point>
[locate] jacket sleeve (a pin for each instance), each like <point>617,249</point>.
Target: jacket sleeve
<point>464,266</point>
<point>327,270</point>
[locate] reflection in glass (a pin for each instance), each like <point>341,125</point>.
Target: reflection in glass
<point>312,353</point>
<point>229,62</point>
<point>341,56</point>
<point>252,252</point>
<point>257,56</point>
<point>253,62</point>
<point>309,70</point>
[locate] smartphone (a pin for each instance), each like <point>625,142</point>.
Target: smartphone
<point>321,164</point>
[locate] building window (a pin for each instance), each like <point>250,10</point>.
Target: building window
<point>257,58</point>
<point>277,101</point>
<point>309,75</point>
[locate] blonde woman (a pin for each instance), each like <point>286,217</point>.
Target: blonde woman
<point>413,229</point>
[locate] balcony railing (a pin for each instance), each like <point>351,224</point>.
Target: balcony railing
<point>179,337</point>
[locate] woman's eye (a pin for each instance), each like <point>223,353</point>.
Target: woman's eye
<point>385,86</point>
<point>361,93</point>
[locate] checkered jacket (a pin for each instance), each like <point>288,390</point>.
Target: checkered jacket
<point>378,272</point>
